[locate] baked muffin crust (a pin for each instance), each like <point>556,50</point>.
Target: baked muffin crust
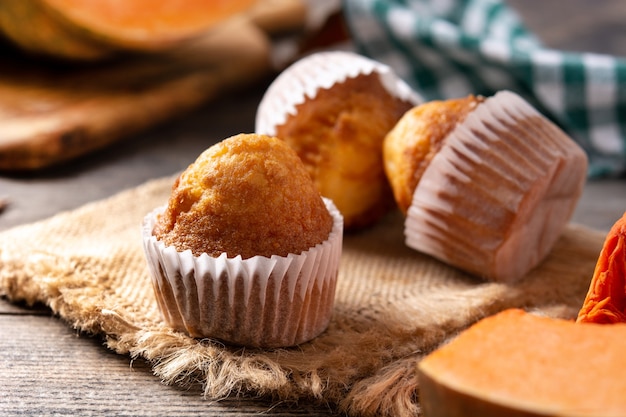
<point>247,195</point>
<point>416,139</point>
<point>339,135</point>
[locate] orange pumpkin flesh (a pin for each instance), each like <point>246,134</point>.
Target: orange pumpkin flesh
<point>606,300</point>
<point>519,364</point>
<point>96,29</point>
<point>144,22</point>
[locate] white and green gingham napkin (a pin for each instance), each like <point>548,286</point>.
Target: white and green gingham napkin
<point>452,48</point>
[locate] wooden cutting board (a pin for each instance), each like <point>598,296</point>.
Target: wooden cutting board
<point>51,112</point>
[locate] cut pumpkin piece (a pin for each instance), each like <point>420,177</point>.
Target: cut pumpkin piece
<point>519,364</point>
<point>91,29</point>
<point>606,299</point>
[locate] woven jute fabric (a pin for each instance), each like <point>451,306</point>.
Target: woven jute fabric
<point>393,306</point>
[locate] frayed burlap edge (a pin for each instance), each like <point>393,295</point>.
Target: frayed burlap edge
<point>393,306</point>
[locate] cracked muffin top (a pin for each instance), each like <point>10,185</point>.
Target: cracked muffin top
<point>247,195</point>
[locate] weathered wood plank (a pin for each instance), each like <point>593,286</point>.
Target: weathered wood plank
<point>47,369</point>
<point>602,203</point>
<point>19,309</point>
<point>576,25</point>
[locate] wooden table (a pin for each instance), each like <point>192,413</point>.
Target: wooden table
<point>46,368</point>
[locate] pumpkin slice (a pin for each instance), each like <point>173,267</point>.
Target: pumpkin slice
<point>606,300</point>
<point>91,29</point>
<point>519,364</point>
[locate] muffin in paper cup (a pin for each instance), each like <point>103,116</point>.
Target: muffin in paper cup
<point>495,196</point>
<point>318,71</point>
<point>334,109</point>
<point>260,302</point>
<point>216,287</point>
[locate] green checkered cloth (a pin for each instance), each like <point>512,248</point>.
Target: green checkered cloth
<point>452,48</point>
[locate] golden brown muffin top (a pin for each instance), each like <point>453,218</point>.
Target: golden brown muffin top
<point>247,195</point>
<point>339,135</point>
<point>409,147</point>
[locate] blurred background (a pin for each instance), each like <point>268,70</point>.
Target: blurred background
<point>94,102</point>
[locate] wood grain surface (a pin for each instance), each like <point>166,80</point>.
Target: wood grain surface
<point>53,115</point>
<point>47,369</point>
<point>52,111</point>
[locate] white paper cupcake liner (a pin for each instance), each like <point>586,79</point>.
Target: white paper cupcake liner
<point>496,197</point>
<point>318,71</point>
<point>260,302</point>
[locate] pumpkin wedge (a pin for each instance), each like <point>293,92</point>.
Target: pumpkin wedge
<point>93,29</point>
<point>606,299</point>
<point>518,364</point>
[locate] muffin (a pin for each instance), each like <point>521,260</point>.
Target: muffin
<point>246,250</point>
<point>487,184</point>
<point>334,109</point>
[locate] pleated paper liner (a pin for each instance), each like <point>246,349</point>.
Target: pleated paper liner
<point>261,302</point>
<point>321,70</point>
<point>495,198</point>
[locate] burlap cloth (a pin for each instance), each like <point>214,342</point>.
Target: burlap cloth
<point>393,306</point>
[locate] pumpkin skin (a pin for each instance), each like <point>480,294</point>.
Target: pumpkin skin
<point>50,38</point>
<point>96,29</point>
<point>605,302</point>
